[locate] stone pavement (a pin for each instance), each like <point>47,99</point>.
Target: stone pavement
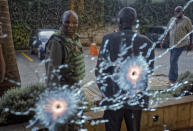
<point>185,62</point>
<point>32,72</point>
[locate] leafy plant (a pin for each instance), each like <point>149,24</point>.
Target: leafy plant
<point>144,25</point>
<point>20,36</point>
<point>19,100</point>
<point>187,83</point>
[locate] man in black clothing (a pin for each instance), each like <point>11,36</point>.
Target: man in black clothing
<point>112,51</point>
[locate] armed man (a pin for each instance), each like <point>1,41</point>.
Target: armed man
<point>64,59</point>
<point>64,54</point>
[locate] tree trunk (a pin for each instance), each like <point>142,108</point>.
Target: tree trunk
<point>12,77</point>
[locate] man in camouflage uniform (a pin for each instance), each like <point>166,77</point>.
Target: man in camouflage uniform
<point>64,53</point>
<point>65,59</point>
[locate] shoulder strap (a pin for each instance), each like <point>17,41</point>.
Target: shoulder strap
<point>48,41</point>
<point>63,52</point>
<point>61,41</point>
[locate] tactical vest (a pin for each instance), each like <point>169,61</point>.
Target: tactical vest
<point>74,60</point>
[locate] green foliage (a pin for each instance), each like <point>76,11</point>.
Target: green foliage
<point>93,13</point>
<point>111,8</point>
<point>144,25</point>
<point>19,100</point>
<point>187,83</point>
<point>20,36</point>
<point>34,14</point>
<point>187,76</point>
<point>186,87</point>
<point>158,13</point>
<point>37,14</point>
<point>92,18</point>
<point>47,14</point>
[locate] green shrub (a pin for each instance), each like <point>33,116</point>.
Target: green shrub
<point>144,25</point>
<point>20,36</point>
<point>19,100</point>
<point>187,83</point>
<point>186,87</point>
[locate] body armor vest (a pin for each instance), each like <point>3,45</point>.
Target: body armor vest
<point>72,59</point>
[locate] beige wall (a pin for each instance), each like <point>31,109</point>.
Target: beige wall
<point>98,34</point>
